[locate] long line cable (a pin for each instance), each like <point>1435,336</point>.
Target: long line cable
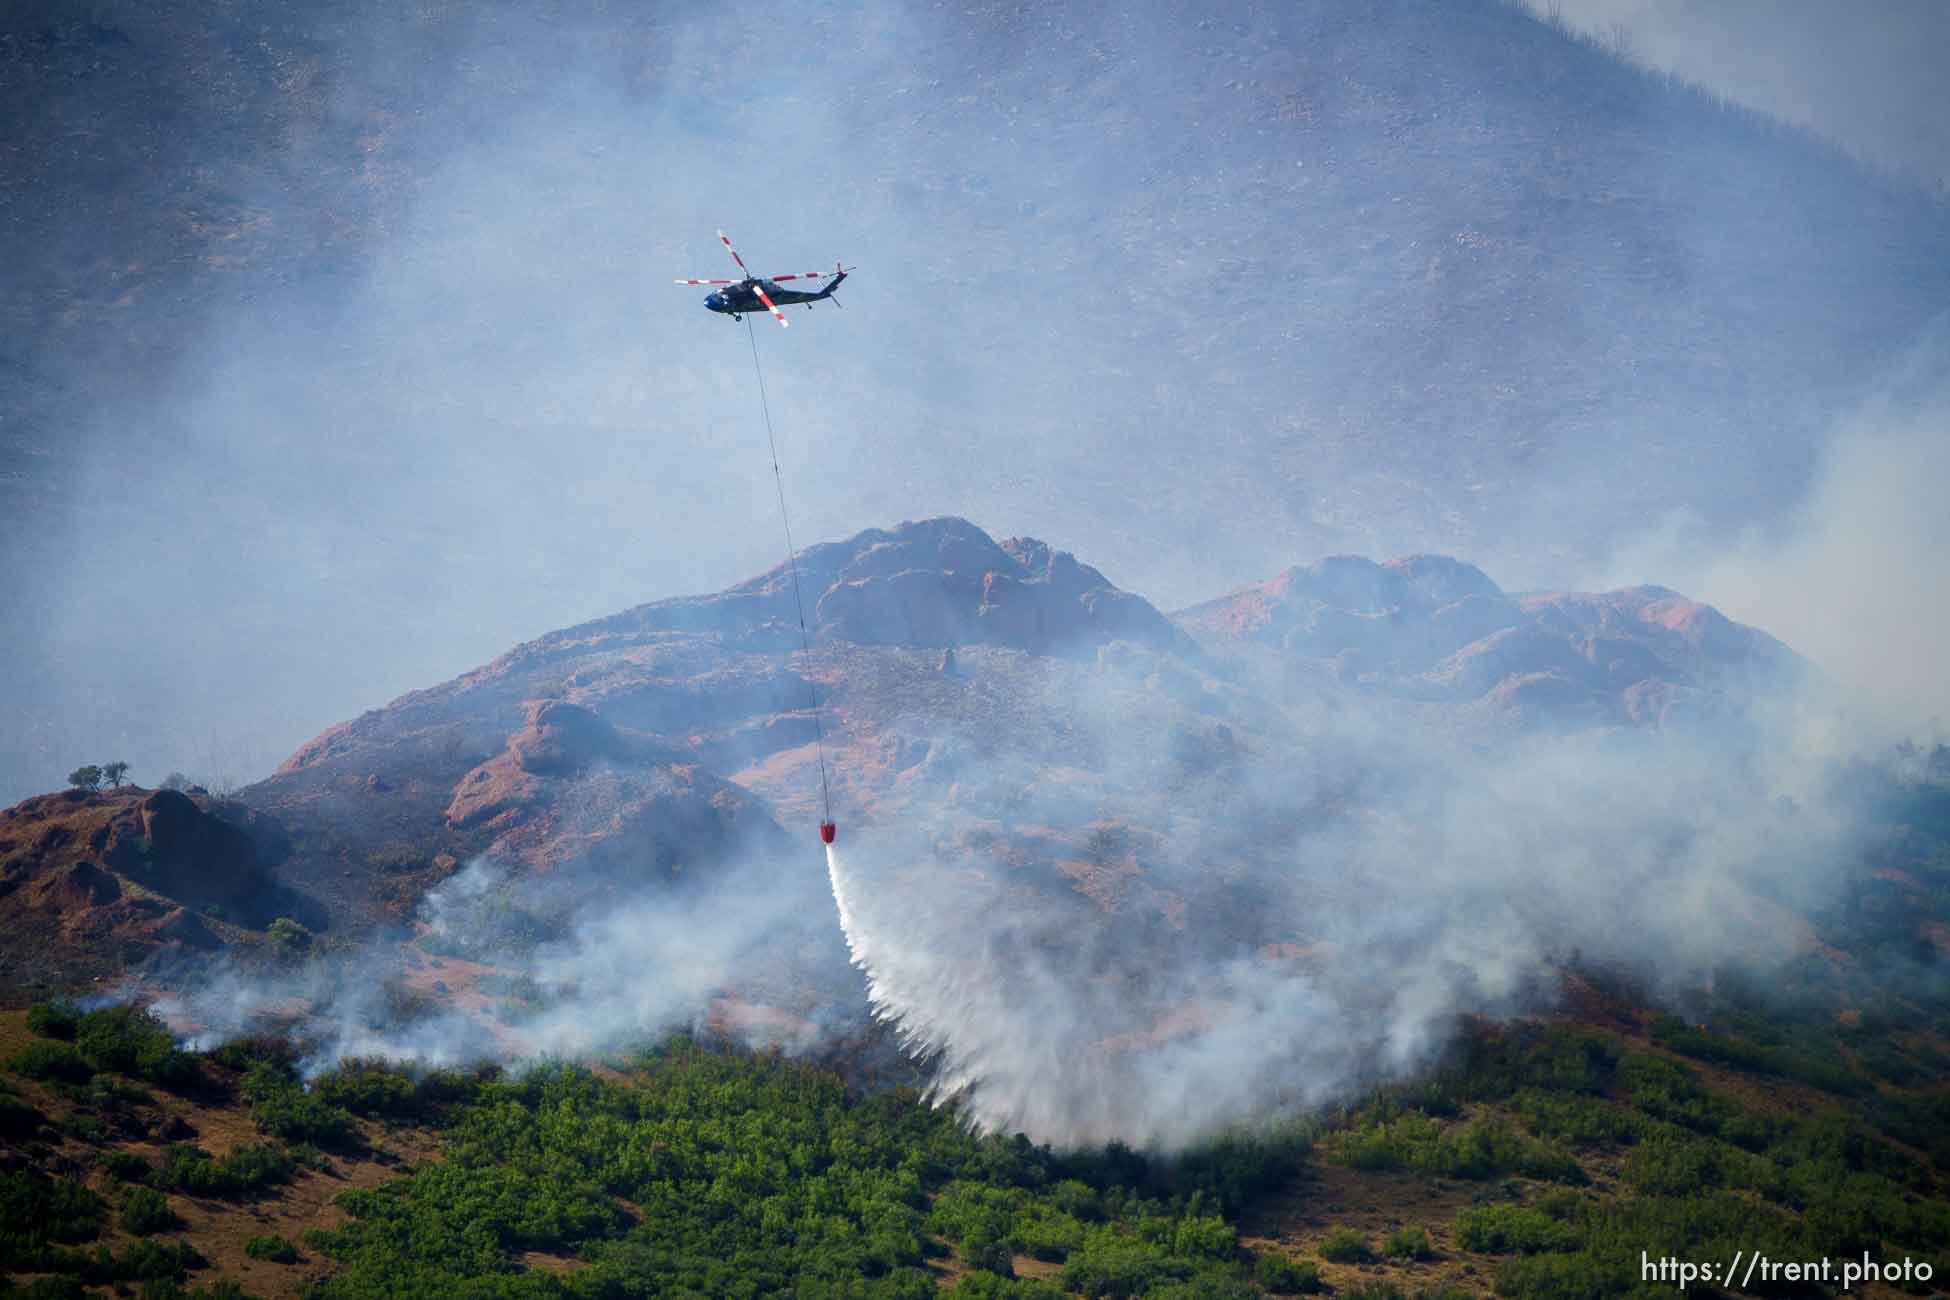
<point>792,562</point>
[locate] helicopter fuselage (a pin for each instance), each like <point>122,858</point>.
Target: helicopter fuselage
<point>737,299</point>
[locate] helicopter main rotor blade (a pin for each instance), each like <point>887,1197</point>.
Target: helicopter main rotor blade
<point>726,240</point>
<point>707,282</point>
<point>777,315</point>
<point>801,275</point>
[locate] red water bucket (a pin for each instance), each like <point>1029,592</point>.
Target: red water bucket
<point>827,831</point>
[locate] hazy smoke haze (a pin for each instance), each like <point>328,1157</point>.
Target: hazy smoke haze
<point>1195,296</point>
<point>1869,78</point>
<point>1853,576</point>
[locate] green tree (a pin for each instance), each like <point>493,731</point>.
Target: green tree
<point>86,778</point>
<point>114,772</point>
<point>288,936</point>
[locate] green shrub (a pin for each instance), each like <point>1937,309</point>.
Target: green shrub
<point>990,1286</point>
<point>1673,1164</point>
<point>369,1087</point>
<point>1233,1169</point>
<point>273,1248</point>
<point>84,1126</point>
<point>140,1261</point>
<point>1480,1149</point>
<point>448,1087</point>
<point>1818,1069</point>
<point>18,1120</point>
<point>981,1250</point>
<point>1204,1237</point>
<point>284,1109</point>
<point>36,1212</point>
<point>131,1040</point>
<point>54,1018</point>
<point>191,1169</point>
<point>1581,1121</point>
<point>1114,1263</point>
<point>146,1210</point>
<point>223,1288</point>
<point>1579,1276</point>
<point>288,938</point>
<point>1284,1275</point>
<point>1504,1229</point>
<point>1375,1290</point>
<point>1047,1235</point>
<point>127,1166</point>
<point>1077,1199</point>
<point>1409,1242</point>
<point>257,1049</point>
<point>1343,1245</point>
<point>51,1060</point>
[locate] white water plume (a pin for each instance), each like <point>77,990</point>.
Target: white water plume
<point>1350,954</point>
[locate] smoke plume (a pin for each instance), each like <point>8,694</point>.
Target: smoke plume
<point>1343,950</point>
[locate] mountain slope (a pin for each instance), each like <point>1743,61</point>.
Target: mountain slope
<point>1429,627</point>
<point>633,734</point>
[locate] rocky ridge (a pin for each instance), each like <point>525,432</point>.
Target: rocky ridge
<point>1006,686</point>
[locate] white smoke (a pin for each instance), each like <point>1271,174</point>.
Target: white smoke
<point>508,965</point>
<point>1855,577</point>
<point>1368,935</point>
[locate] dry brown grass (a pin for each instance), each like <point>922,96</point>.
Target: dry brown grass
<point>220,1228</point>
<point>1374,1205</point>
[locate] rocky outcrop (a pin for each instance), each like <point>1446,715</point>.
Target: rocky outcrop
<point>572,791</point>
<point>669,731</point>
<point>93,883</point>
<point>928,584</point>
<point>945,583</point>
<point>1432,628</point>
<point>185,852</point>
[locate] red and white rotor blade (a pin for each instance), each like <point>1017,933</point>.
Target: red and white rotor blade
<point>777,315</point>
<point>726,240</point>
<point>801,275</point>
<point>707,282</point>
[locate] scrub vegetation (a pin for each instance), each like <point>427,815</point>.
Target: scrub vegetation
<point>1539,1160</point>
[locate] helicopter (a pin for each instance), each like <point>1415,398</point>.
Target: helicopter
<point>748,294</point>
